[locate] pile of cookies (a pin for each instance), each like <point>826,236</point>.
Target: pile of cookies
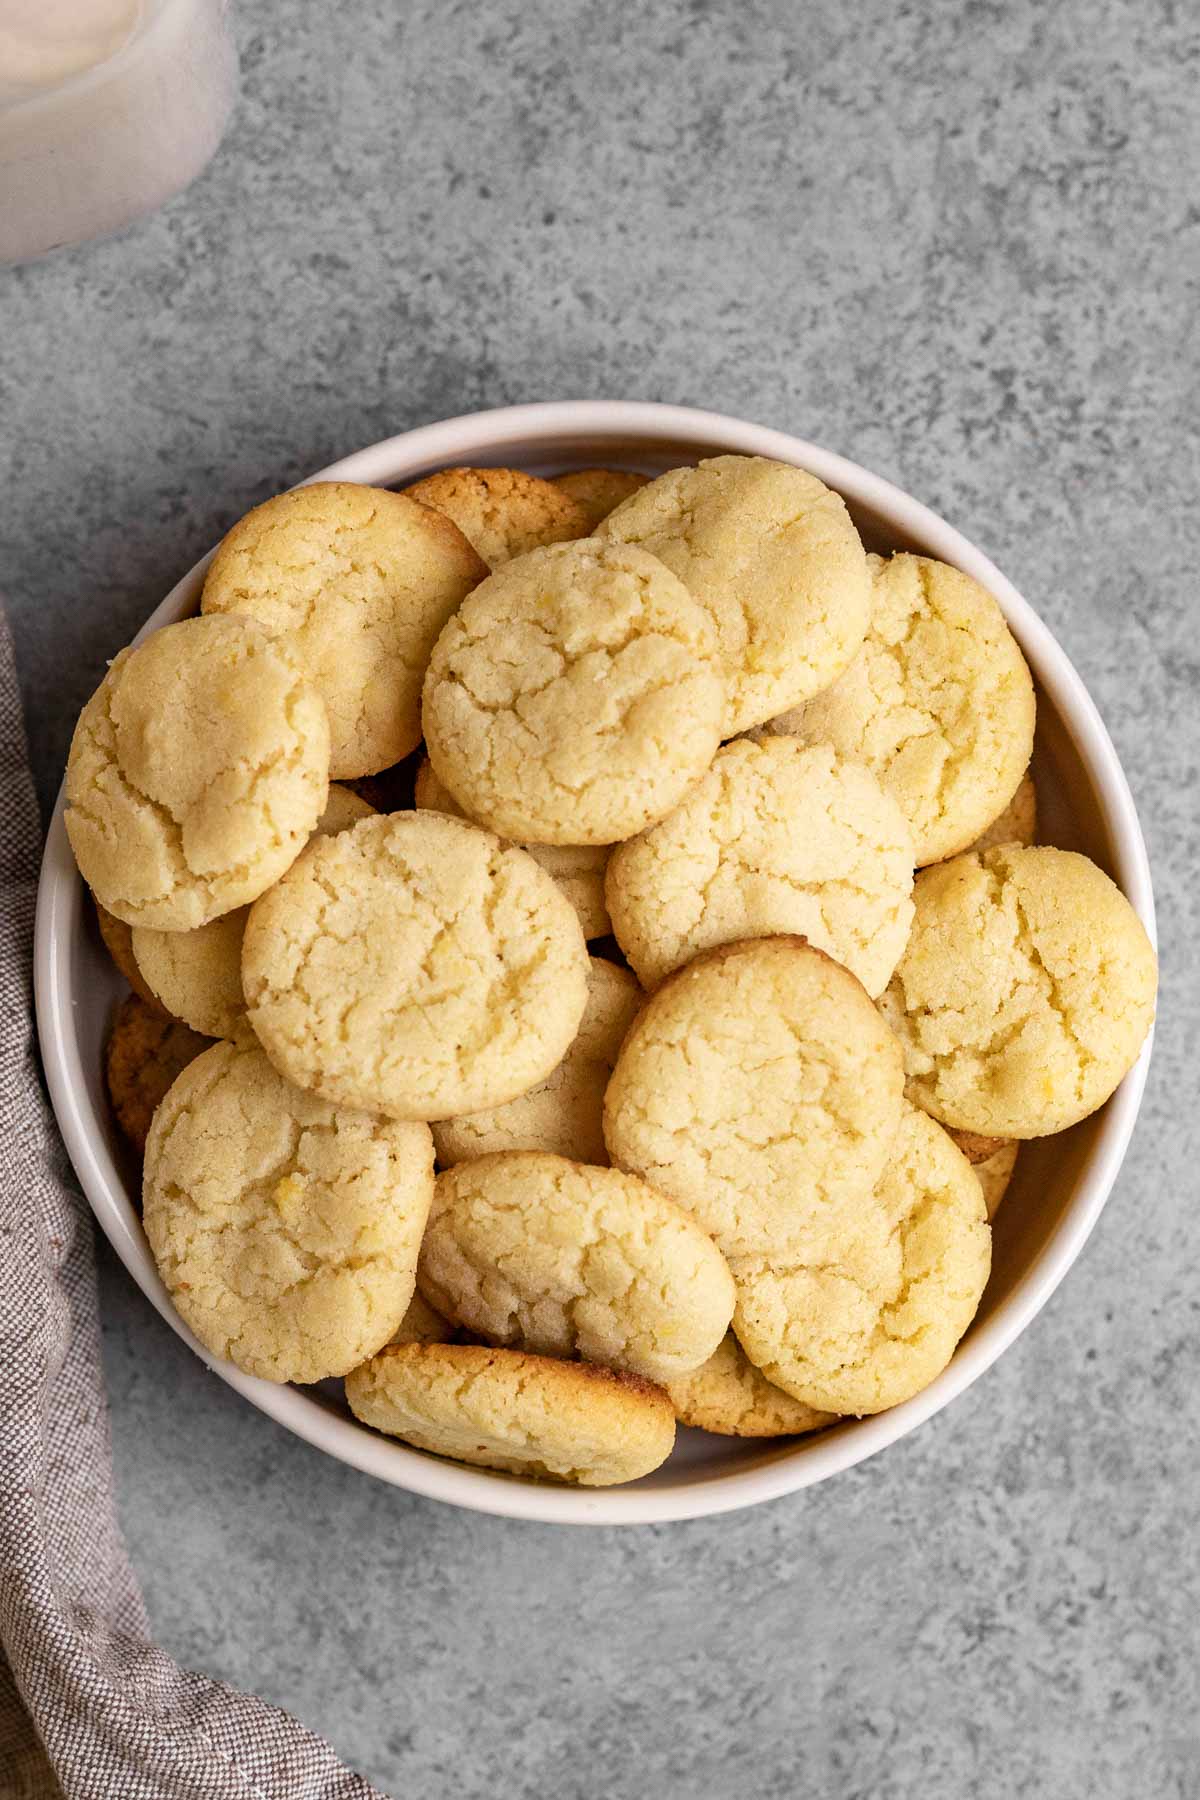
<point>592,962</point>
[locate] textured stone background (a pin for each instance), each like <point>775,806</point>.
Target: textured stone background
<point>958,242</point>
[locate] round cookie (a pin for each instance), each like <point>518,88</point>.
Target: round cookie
<point>938,703</point>
<point>1025,992</point>
<point>773,556</point>
<point>145,1052</point>
<point>1018,823</point>
<point>358,581</point>
<point>562,1115</point>
<point>779,836</point>
<point>415,966</point>
<point>197,771</point>
<point>197,975</point>
<point>529,1415</point>
<point>877,1318</point>
<point>575,696</point>
<point>286,1231</point>
<point>760,1089</point>
<point>577,869</point>
<point>598,491</point>
<point>117,938</point>
<point>503,512</point>
<point>543,1254</point>
<point>729,1396</point>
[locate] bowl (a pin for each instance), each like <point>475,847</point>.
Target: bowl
<point>1061,1183</point>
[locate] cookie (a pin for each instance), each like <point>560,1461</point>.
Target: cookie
<point>503,512</point>
<point>577,869</point>
<point>422,1325</point>
<point>145,1052</point>
<point>197,771</point>
<point>1025,992</point>
<point>543,1254</point>
<point>938,703</point>
<point>993,1171</point>
<point>598,491</point>
<point>729,1396</point>
<point>117,938</point>
<point>878,1315</point>
<point>760,1089</point>
<point>197,975</point>
<point>575,696</point>
<point>772,554</point>
<point>415,966</point>
<point>1018,823</point>
<point>358,582</point>
<point>779,836</point>
<point>529,1415</point>
<point>562,1115</point>
<point>286,1230</point>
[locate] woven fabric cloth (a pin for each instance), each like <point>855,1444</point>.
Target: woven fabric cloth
<point>90,1707</point>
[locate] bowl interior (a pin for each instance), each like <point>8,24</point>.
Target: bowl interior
<point>1059,1185</point>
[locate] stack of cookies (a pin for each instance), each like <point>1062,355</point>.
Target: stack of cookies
<point>592,963</point>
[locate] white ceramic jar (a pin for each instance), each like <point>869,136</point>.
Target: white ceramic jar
<point>107,109</point>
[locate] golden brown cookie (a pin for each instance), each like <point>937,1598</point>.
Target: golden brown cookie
<point>502,512</point>
<point>198,770</point>
<point>544,1254</point>
<point>415,966</point>
<point>759,1088</point>
<point>564,1114</point>
<point>938,703</point>
<point>598,491</point>
<point>576,869</point>
<point>778,836</point>
<point>422,1325</point>
<point>358,582</point>
<point>529,1415</point>
<point>145,1052</point>
<point>1025,992</point>
<point>286,1230</point>
<point>729,1396</point>
<point>874,1318</point>
<point>773,555</point>
<point>575,697</point>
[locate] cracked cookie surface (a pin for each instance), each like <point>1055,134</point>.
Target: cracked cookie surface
<point>729,1396</point>
<point>415,966</point>
<point>544,1254</point>
<point>565,1113</point>
<point>774,557</point>
<point>878,1315</point>
<point>197,771</point>
<point>577,869</point>
<point>529,1415</point>
<point>286,1230</point>
<point>503,512</point>
<point>1025,992</point>
<point>197,975</point>
<point>760,1088</point>
<point>938,703</point>
<point>778,836</point>
<point>358,581</point>
<point>575,696</point>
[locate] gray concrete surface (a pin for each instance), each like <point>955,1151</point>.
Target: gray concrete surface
<point>958,242</point>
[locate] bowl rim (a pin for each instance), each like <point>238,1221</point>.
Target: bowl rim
<point>597,424</point>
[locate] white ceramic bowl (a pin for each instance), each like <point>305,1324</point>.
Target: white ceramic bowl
<point>1061,1183</point>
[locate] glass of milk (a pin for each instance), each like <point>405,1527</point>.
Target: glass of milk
<point>107,108</point>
